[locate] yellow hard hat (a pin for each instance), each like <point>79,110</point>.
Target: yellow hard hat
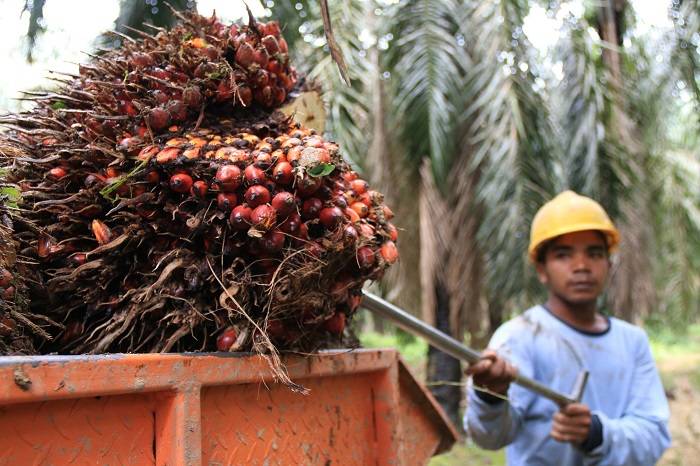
<point>569,212</point>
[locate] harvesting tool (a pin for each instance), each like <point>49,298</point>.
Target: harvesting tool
<point>457,350</point>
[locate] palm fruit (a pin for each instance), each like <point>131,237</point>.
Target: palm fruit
<point>164,206</point>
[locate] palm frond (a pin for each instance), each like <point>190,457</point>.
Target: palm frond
<point>512,139</point>
<point>428,63</point>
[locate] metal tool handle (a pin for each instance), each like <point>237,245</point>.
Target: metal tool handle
<point>457,350</point>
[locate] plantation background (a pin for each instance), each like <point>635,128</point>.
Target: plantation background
<point>469,115</point>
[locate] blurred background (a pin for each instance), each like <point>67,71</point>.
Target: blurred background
<point>469,115</point>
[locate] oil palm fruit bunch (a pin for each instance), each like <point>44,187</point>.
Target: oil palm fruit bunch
<point>225,226</point>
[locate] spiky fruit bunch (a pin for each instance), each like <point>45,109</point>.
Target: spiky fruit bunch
<point>235,229</point>
<point>259,230</point>
<point>161,81</point>
<point>18,327</point>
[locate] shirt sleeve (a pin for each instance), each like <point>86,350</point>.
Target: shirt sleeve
<point>641,435</point>
<point>493,425</point>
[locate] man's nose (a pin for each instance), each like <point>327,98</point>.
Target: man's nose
<point>581,262</point>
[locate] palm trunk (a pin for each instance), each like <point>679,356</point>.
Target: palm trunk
<point>444,371</point>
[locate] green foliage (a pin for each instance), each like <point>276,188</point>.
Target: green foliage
<point>513,140</point>
<point>413,350</point>
<point>428,64</point>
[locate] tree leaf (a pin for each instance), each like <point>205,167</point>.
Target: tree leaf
<point>322,169</point>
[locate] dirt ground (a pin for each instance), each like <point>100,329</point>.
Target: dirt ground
<point>681,376</point>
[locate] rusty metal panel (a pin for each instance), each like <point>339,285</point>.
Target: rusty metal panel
<point>248,424</point>
<point>113,430</point>
<point>191,409</point>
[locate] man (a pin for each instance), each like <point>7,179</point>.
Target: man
<point>623,416</point>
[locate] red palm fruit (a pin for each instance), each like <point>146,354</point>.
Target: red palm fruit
<point>78,259</point>
<point>308,185</point>
<point>330,217</point>
<point>365,199</point>
<point>270,44</point>
<point>141,60</point>
<point>352,215</point>
<point>262,160</point>
<point>9,293</point>
<point>181,183</point>
<point>263,216</point>
<point>279,95</point>
<point>160,97</point>
<point>273,66</point>
<point>101,231</point>
<point>339,200</point>
<point>126,107</point>
<point>240,217</point>
<point>393,232</point>
<point>339,289</point>
<point>261,78</point>
<point>350,176</point>
<point>112,172</point>
<point>365,257</point>
<point>200,188</point>
<point>283,173</point>
<point>192,97</point>
<point>366,231</point>
<point>273,28</point>
<point>228,177</point>
<point>388,214</point>
<point>257,195</point>
<point>57,173</point>
<point>226,339</point>
<point>389,252</point>
<point>7,326</point>
<point>284,48</point>
<point>169,154</point>
<point>272,241</point>
<point>350,234</point>
<point>5,278</point>
<point>226,201</point>
<point>291,142</point>
<point>224,91</point>
<point>291,224</point>
<point>148,152</point>
<point>254,175</point>
<point>153,177</point>
<point>245,55</point>
<point>335,324</point>
<point>284,203</point>
<point>177,110</point>
<point>158,118</point>
<point>264,96</point>
<point>313,248</point>
<point>261,57</point>
<point>360,208</point>
<point>245,96</point>
<point>311,208</point>
<point>359,186</point>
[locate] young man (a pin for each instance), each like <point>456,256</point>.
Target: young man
<point>623,416</point>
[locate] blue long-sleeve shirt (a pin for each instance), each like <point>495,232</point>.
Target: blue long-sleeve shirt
<point>624,391</point>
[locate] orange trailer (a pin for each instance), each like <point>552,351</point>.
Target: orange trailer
<point>364,408</point>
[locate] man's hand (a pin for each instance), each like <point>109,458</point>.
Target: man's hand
<point>492,372</point>
<point>572,424</point>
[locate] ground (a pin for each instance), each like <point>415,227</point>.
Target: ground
<point>678,360</point>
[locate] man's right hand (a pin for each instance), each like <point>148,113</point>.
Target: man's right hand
<point>492,372</point>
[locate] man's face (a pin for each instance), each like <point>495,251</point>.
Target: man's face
<point>576,267</point>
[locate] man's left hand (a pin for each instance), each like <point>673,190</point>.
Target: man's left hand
<point>572,424</point>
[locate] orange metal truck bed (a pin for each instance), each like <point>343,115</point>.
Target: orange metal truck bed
<point>364,408</point>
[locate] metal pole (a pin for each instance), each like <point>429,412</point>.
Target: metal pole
<point>457,350</point>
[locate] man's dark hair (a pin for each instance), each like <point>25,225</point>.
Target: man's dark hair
<point>542,250</point>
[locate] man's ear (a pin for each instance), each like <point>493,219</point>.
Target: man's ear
<point>541,272</point>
